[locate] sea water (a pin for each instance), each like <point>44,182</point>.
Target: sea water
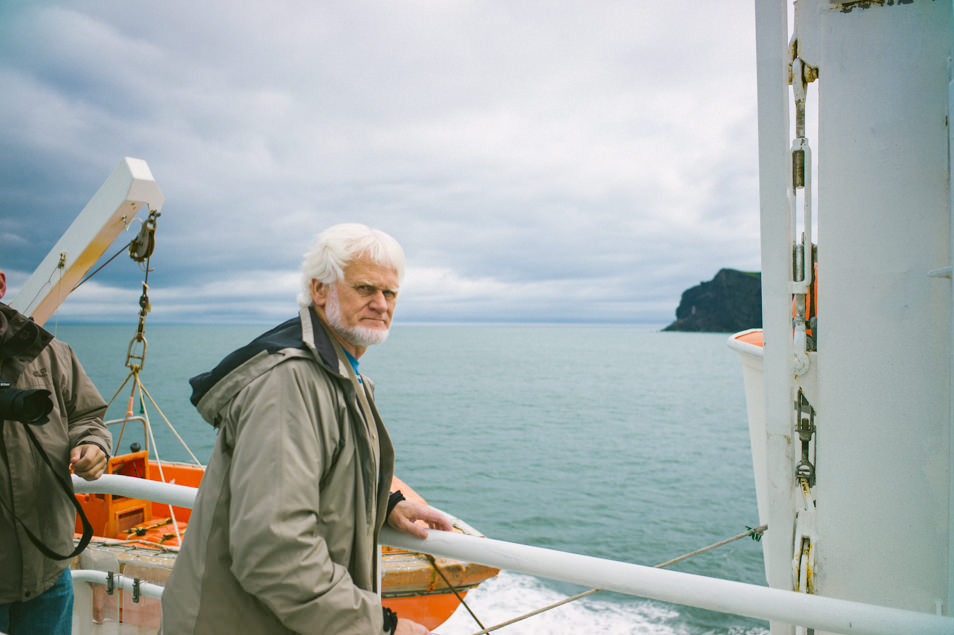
<point>618,442</point>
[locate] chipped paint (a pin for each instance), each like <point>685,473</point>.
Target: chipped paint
<point>849,5</point>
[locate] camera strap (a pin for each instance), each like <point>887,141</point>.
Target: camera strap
<point>68,490</point>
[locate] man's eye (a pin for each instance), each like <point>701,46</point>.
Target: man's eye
<point>365,289</point>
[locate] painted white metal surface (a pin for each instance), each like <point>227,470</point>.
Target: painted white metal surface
<point>950,526</point>
<point>112,208</point>
<point>93,576</point>
<point>167,493</point>
<point>83,582</point>
<point>673,586</point>
<point>772,432</point>
<point>881,381</point>
<point>884,344</point>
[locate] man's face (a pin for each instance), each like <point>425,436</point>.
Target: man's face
<point>359,308</point>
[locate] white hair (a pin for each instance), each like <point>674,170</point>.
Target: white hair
<point>338,246</point>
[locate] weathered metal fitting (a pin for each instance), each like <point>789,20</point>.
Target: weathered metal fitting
<point>805,429</point>
<point>798,169</point>
<point>805,471</point>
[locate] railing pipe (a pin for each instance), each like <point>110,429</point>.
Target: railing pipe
<point>178,495</point>
<point>94,576</point>
<point>724,596</point>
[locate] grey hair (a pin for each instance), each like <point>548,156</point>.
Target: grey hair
<point>339,245</point>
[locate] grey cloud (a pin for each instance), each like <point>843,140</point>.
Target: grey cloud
<point>550,159</point>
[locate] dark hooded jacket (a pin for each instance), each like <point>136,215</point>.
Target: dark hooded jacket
<point>31,358</point>
<point>283,535</point>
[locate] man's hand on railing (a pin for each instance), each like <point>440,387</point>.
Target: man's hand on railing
<point>405,515</point>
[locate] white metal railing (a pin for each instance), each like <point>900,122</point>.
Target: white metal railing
<point>724,596</point>
<point>178,495</point>
<point>113,580</point>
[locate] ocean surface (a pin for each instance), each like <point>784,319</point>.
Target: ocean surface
<point>619,442</point>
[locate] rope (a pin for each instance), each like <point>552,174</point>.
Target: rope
<point>155,451</point>
<point>755,532</point>
<point>460,598</point>
<point>169,423</point>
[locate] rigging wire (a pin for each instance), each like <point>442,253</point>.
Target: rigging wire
<point>140,250</point>
<point>100,268</point>
<point>155,451</point>
<point>755,532</point>
<point>460,598</point>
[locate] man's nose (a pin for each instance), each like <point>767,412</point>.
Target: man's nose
<point>378,301</point>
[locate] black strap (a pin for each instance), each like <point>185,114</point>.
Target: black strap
<point>394,498</point>
<point>68,490</point>
<point>390,620</point>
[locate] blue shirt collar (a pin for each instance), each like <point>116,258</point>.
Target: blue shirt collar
<point>354,362</point>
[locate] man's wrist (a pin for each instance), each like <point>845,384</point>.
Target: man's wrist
<point>390,620</point>
<point>396,497</point>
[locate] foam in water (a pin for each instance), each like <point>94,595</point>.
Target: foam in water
<point>510,595</point>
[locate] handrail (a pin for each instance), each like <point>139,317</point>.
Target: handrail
<point>178,495</point>
<point>118,581</point>
<point>724,596</point>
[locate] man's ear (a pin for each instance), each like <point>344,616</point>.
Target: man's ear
<point>319,293</point>
<point>3,284</point>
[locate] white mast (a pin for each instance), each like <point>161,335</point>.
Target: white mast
<point>112,208</point>
<point>874,510</point>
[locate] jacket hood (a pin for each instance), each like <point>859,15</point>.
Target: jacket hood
<point>304,335</point>
<point>21,340</point>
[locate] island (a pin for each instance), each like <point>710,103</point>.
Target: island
<point>730,302</point>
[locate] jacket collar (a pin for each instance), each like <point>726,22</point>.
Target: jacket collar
<point>305,333</point>
<point>315,335</point>
<point>21,340</point>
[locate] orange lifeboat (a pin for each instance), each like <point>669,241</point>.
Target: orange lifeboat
<point>142,535</point>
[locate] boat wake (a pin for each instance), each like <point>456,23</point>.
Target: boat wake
<point>510,595</point>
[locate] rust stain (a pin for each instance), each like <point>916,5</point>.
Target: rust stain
<point>847,6</point>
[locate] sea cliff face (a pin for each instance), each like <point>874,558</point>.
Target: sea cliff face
<point>730,302</point>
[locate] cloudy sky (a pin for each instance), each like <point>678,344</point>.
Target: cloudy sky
<point>539,161</point>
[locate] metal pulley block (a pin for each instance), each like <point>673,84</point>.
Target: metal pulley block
<point>143,245</point>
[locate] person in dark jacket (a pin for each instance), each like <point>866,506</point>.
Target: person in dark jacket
<point>283,537</point>
<point>36,591</point>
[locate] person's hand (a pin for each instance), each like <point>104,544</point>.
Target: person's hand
<point>407,627</point>
<point>405,514</point>
<point>88,461</point>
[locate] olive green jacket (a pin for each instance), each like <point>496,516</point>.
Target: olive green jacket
<point>283,536</point>
<point>31,359</point>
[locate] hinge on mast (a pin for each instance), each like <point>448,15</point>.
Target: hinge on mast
<point>803,548</point>
<point>805,428</point>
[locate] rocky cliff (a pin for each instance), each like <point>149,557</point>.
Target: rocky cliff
<point>730,302</point>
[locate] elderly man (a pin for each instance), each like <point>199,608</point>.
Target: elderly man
<point>283,536</point>
<point>37,515</point>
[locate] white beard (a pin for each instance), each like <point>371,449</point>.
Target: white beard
<point>355,335</point>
